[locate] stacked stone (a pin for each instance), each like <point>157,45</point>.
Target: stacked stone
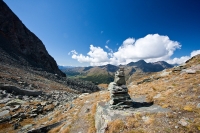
<point>119,97</point>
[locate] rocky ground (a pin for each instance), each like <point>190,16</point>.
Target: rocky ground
<point>66,110</point>
<point>17,108</point>
<point>175,90</point>
<point>27,94</point>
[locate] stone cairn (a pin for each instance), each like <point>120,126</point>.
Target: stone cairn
<point>119,97</point>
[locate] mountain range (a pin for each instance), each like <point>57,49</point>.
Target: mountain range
<point>36,97</point>
<point>105,73</point>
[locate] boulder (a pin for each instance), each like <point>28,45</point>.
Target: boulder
<point>104,114</point>
<point>45,129</point>
<point>18,91</point>
<point>28,126</point>
<point>4,113</point>
<point>15,102</point>
<point>5,100</point>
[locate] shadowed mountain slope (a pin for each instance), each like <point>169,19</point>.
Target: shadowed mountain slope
<point>20,47</point>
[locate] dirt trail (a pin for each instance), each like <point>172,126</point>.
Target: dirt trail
<point>84,122</point>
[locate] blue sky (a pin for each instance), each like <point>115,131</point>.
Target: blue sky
<point>113,31</point>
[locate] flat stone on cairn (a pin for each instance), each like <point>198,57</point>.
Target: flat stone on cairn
<point>119,97</point>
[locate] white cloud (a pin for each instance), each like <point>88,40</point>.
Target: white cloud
<point>183,58</point>
<point>193,53</point>
<point>178,60</point>
<point>110,51</point>
<point>107,41</point>
<point>96,56</point>
<point>151,48</point>
<point>73,52</point>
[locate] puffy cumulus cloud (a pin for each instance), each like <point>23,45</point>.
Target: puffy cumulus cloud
<point>183,58</point>
<point>196,52</point>
<point>151,48</point>
<point>178,60</point>
<point>96,56</point>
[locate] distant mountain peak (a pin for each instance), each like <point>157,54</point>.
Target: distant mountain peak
<point>137,63</point>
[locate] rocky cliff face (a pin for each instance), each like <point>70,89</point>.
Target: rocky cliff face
<point>19,46</point>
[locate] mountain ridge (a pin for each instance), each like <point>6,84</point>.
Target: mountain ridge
<point>20,47</point>
<point>106,72</point>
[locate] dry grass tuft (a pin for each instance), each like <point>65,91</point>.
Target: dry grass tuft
<point>188,108</point>
<point>115,126</point>
<point>105,86</point>
<point>131,122</point>
<point>91,118</point>
<point>66,130</point>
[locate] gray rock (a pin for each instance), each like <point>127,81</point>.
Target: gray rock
<point>15,107</point>
<point>119,77</point>
<point>28,126</point>
<point>45,129</point>
<point>15,115</point>
<point>5,100</point>
<point>183,122</point>
<point>16,125</point>
<point>33,115</point>
<point>34,110</point>
<point>19,97</point>
<point>22,116</point>
<point>177,68</point>
<point>157,96</point>
<point>111,85</point>
<point>104,114</point>
<point>4,119</point>
<point>164,73</point>
<point>3,96</point>
<point>55,103</point>
<point>87,110</point>
<point>39,109</point>
<point>4,92</point>
<point>15,102</point>
<point>198,105</point>
<point>4,113</point>
<point>10,95</point>
<point>43,103</point>
<point>19,91</point>
<point>190,71</point>
<point>26,98</point>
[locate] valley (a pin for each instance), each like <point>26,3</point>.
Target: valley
<point>39,96</point>
<point>105,74</point>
